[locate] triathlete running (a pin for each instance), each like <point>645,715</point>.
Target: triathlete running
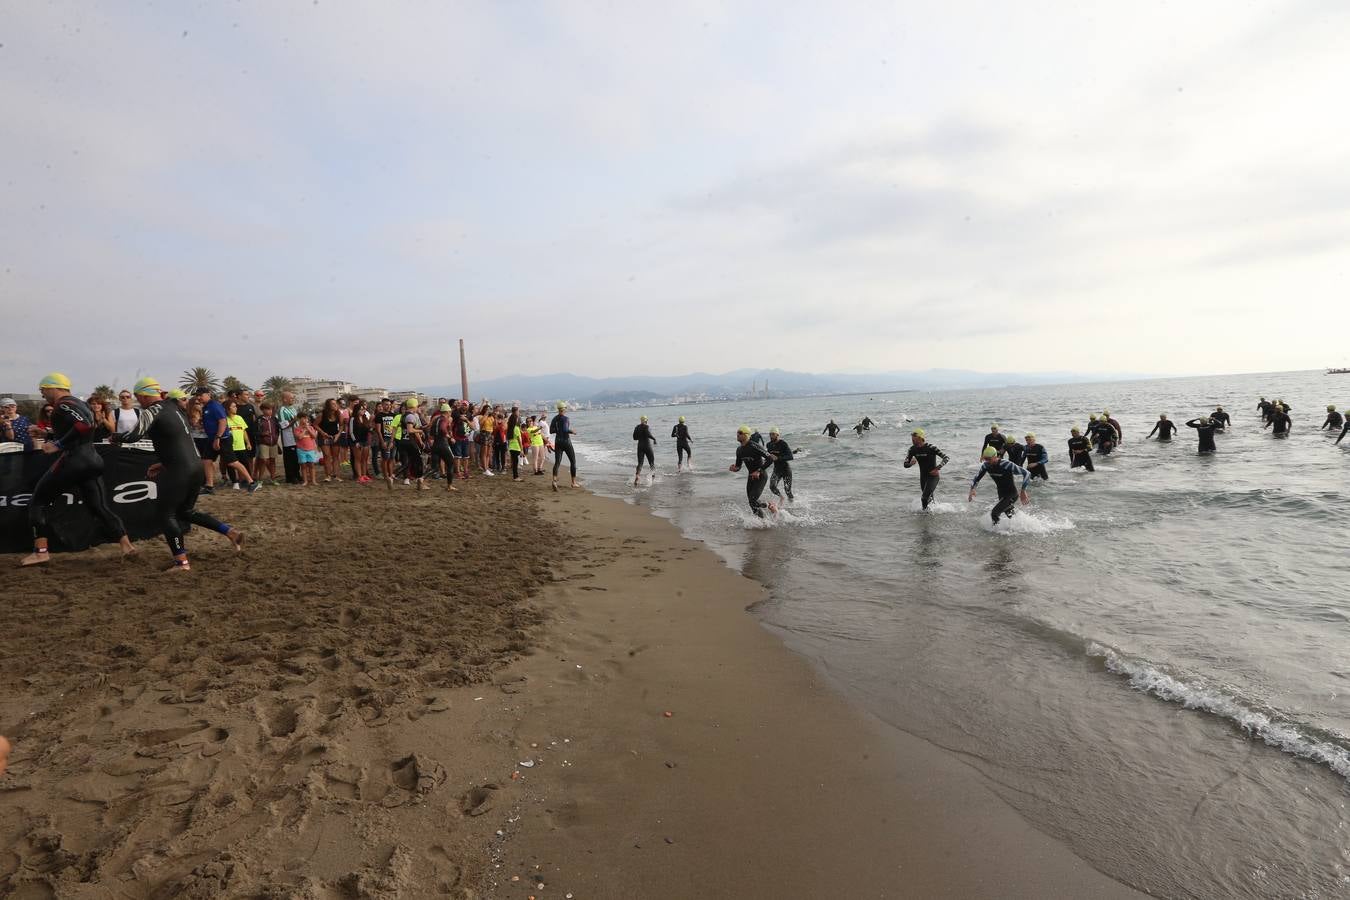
<point>1036,459</point>
<point>1204,429</point>
<point>930,461</point>
<point>782,464</point>
<point>1002,472</point>
<point>756,459</point>
<point>646,440</point>
<point>831,429</point>
<point>1080,450</point>
<point>1163,428</point>
<point>561,428</point>
<point>684,445</point>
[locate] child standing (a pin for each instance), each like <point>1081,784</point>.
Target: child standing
<point>306,448</point>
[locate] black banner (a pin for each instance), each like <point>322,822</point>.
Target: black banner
<point>129,494</point>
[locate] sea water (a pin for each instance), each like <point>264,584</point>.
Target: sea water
<point>1150,662</point>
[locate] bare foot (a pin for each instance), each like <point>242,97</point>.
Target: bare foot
<point>177,567</point>
<point>237,538</point>
<point>36,559</point>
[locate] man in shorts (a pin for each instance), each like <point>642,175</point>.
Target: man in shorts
<point>269,447</point>
<point>213,423</point>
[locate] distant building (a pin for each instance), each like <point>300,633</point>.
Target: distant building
<point>314,391</point>
<point>371,394</point>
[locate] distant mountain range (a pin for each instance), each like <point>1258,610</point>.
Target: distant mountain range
<point>781,383</point>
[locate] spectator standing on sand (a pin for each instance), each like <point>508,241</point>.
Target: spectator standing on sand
<point>126,414</point>
<point>269,433</point>
<point>330,429</point>
<point>14,428</point>
<point>306,448</point>
<point>359,424</point>
<point>286,417</point>
<point>103,418</point>
<point>236,444</point>
<point>249,413</point>
<point>213,423</point>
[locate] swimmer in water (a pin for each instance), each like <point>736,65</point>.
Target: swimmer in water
<point>1204,429</point>
<point>646,440</point>
<point>757,460</point>
<point>1120,435</point>
<point>1104,435</point>
<point>1334,420</point>
<point>684,445</point>
<point>930,461</point>
<point>1013,450</point>
<point>1080,450</point>
<point>1221,419</point>
<point>1003,473</point>
<point>1279,420</point>
<point>1163,429</point>
<point>994,439</point>
<point>782,464</point>
<point>831,429</point>
<point>1037,458</point>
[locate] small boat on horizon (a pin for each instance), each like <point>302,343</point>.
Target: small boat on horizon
<point>1338,371</point>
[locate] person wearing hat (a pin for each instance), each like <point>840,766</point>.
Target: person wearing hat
<point>757,460</point>
<point>14,428</point>
<point>646,440</point>
<point>178,475</point>
<point>930,461</point>
<point>1003,472</point>
<point>1036,458</point>
<point>995,439</point>
<point>1103,434</point>
<point>441,436</point>
<point>1333,422</point>
<point>77,470</point>
<point>1120,435</point>
<point>1080,450</point>
<point>782,464</point>
<point>1163,429</point>
<point>1279,421</point>
<point>1204,429</point>
<point>213,423</point>
<point>410,431</point>
<point>560,426</point>
<point>684,445</point>
<point>1221,419</point>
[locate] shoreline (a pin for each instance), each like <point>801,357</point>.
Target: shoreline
<point>301,736</point>
<point>764,781</point>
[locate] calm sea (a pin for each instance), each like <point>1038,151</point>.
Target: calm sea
<point>1152,662</point>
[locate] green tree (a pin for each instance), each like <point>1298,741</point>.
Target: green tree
<point>274,386</point>
<point>234,384</point>
<point>105,391</point>
<point>193,380</point>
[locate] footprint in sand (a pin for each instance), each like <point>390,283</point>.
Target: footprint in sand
<point>477,801</point>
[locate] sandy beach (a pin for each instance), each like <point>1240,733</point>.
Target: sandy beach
<point>522,689</point>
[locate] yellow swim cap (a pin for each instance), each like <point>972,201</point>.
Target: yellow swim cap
<point>445,407</point>
<point>177,394</point>
<point>54,380</point>
<point>644,418</point>
<point>562,404</point>
<point>1074,430</point>
<point>410,402</point>
<point>148,387</point>
<point>774,430</point>
<point>1030,437</point>
<point>919,432</point>
<point>744,429</point>
<point>681,420</point>
<point>989,453</point>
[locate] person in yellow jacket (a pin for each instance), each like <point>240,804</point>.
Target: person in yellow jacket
<point>538,442</point>
<point>513,443</point>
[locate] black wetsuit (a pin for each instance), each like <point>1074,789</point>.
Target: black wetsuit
<point>994,439</point>
<point>180,479</point>
<point>643,435</point>
<point>866,423</point>
<point>440,443</point>
<point>831,429</point>
<point>926,457</point>
<point>1105,436</point>
<point>1002,472</point>
<point>684,444</point>
<point>1334,420</point>
<point>1163,429</point>
<point>782,467</point>
<point>1036,459</point>
<point>1080,453</point>
<point>561,428</point>
<point>1279,423</point>
<point>1120,435</point>
<point>1206,433</point>
<point>77,469</point>
<point>754,457</point>
<point>1221,419</point>
<point>1015,452</point>
<point>1344,429</point>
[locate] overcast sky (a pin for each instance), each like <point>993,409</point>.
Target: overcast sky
<point>343,189</point>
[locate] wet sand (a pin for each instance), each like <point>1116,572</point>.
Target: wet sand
<point>482,710</point>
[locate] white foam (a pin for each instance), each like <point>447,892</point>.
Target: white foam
<point>785,517</point>
<point>1030,523</point>
<point>1284,736</point>
<point>936,506</point>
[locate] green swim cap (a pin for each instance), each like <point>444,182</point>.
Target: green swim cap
<point>744,429</point>
<point>644,418</point>
<point>774,430</point>
<point>1331,407</point>
<point>681,420</point>
<point>410,402</point>
<point>1092,417</point>
<point>177,394</point>
<point>989,453</point>
<point>1031,437</point>
<point>147,386</point>
<point>994,427</point>
<point>1075,430</point>
<point>54,380</point>
<point>562,404</point>
<point>445,407</point>
<point>1106,412</point>
<point>919,432</point>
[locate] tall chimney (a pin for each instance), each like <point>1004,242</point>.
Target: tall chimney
<point>463,374</point>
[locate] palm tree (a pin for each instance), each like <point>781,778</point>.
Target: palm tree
<point>193,380</point>
<point>105,391</point>
<point>234,384</point>
<point>274,387</point>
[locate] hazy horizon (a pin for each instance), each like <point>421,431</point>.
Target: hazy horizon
<point>289,189</point>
